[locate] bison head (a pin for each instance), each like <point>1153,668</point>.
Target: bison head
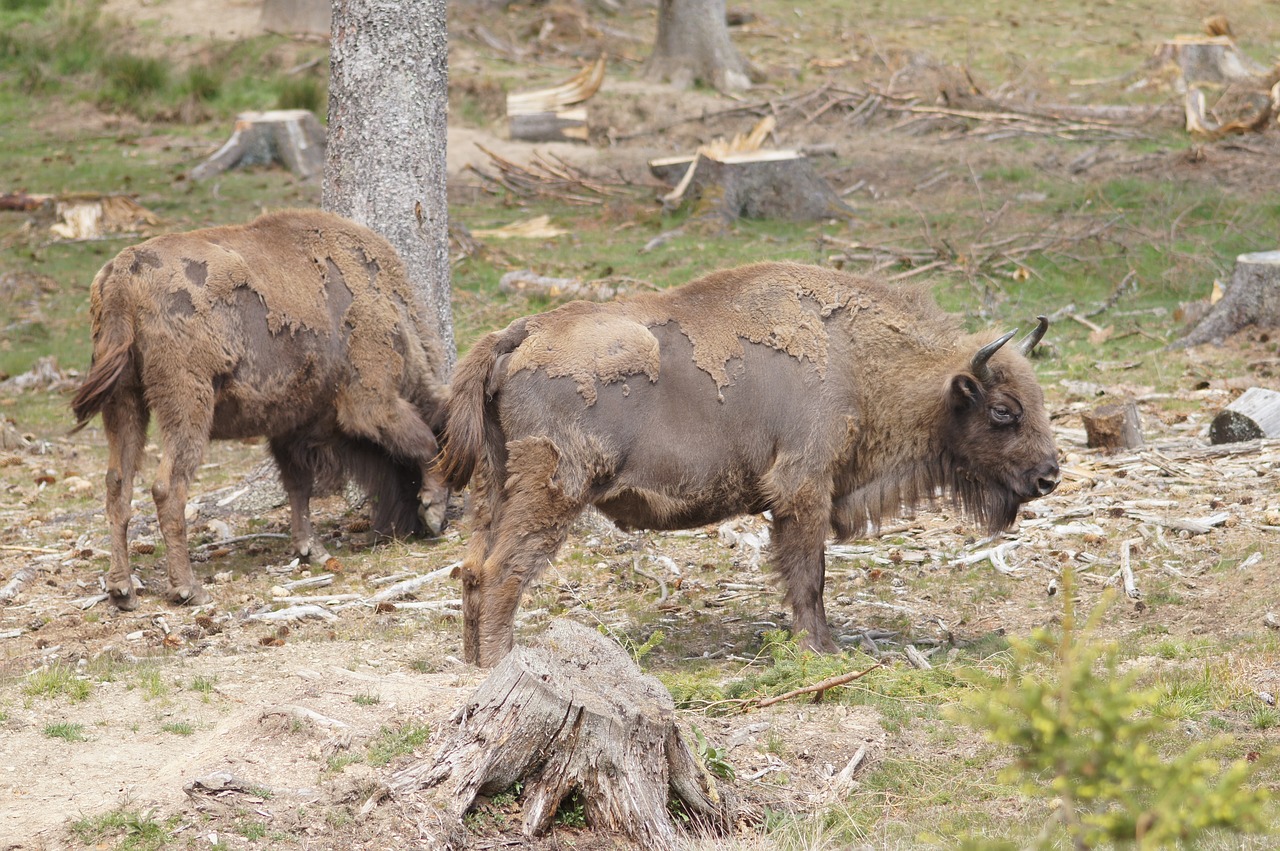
<point>998,448</point>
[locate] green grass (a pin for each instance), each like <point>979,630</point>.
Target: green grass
<point>131,830</point>
<point>204,686</point>
<point>178,728</point>
<point>66,731</point>
<point>393,742</point>
<point>58,681</point>
<point>366,699</point>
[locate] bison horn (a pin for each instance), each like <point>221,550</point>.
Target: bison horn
<point>1037,334</point>
<point>978,366</point>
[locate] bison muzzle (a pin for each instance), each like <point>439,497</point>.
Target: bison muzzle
<point>300,327</point>
<point>830,400</point>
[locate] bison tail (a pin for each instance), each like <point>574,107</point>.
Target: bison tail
<point>471,426</point>
<point>113,355</point>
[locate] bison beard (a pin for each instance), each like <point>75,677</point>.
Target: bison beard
<point>833,401</point>
<point>300,327</point>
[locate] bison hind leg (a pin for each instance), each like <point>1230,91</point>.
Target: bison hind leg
<point>306,467</point>
<point>392,486</point>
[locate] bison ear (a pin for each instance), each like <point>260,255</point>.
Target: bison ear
<point>965,391</point>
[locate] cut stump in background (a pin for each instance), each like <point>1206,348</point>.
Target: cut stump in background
<point>571,714</point>
<point>1115,425</point>
<point>762,184</point>
<point>293,138</point>
<point>549,115</point>
<point>1255,414</point>
<point>1253,298</point>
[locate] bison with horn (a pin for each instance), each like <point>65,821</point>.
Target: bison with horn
<point>301,327</point>
<point>832,401</point>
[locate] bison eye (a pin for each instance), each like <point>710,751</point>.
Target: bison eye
<point>1002,415</point>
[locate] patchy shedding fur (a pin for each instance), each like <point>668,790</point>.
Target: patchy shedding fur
<point>301,327</point>
<point>831,400</point>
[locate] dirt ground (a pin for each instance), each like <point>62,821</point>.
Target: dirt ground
<point>178,694</point>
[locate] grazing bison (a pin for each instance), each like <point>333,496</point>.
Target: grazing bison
<point>299,326</point>
<point>830,400</point>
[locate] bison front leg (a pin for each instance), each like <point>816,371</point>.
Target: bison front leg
<point>170,492</point>
<point>520,531</point>
<point>125,420</point>
<point>799,556</point>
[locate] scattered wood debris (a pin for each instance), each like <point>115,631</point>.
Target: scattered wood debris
<point>545,177</point>
<point>552,114</point>
<point>539,227</point>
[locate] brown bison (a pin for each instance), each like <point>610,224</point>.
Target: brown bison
<point>830,400</point>
<point>300,327</point>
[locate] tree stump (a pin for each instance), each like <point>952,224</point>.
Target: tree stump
<point>548,115</point>
<point>306,17</point>
<point>1207,59</point>
<point>1253,298</point>
<point>1255,414</point>
<point>762,184</point>
<point>571,713</point>
<point>1114,426</point>
<point>291,137</point>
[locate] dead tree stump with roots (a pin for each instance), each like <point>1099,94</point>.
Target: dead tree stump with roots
<point>572,713</point>
<point>1253,298</point>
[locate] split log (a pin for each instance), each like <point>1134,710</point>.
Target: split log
<point>20,580</point>
<point>1253,298</point>
<point>571,713</point>
<point>1114,426</point>
<point>773,184</point>
<point>549,115</point>
<point>291,137</point>
<point>1254,415</point>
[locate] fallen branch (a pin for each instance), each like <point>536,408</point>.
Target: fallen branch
<point>818,688</point>
<point>20,580</point>
<point>302,713</point>
<point>1126,571</point>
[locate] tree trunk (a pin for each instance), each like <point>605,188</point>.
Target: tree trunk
<point>385,168</point>
<point>1253,298</point>
<point>693,46</point>
<point>572,713</point>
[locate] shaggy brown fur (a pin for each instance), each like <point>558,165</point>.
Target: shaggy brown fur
<point>299,326</point>
<point>830,400</point>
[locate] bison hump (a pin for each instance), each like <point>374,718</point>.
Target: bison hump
<point>601,347</point>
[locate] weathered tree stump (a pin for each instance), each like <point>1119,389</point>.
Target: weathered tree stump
<point>571,713</point>
<point>762,184</point>
<point>305,17</point>
<point>291,137</point>
<point>1207,59</point>
<point>1255,414</point>
<point>1253,298</point>
<point>1114,426</point>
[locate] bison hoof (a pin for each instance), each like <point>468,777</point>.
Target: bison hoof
<point>189,595</point>
<point>125,601</point>
<point>313,554</point>
<point>433,517</point>
<point>820,642</point>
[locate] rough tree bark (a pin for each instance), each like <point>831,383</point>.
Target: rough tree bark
<point>1253,298</point>
<point>693,46</point>
<point>570,713</point>
<point>385,166</point>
